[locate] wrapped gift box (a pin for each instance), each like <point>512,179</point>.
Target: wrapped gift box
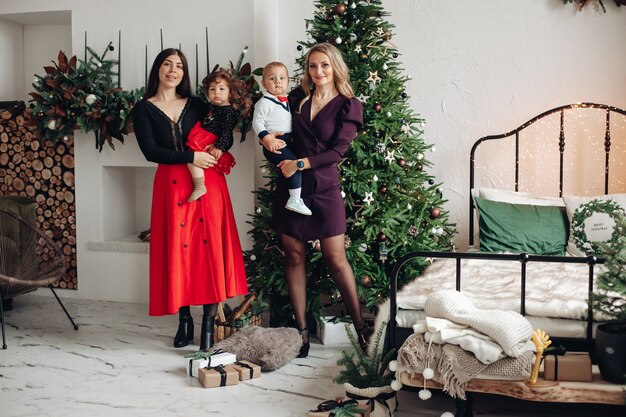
<point>329,408</point>
<point>331,333</point>
<point>215,359</point>
<point>573,366</point>
<point>218,376</point>
<point>247,370</point>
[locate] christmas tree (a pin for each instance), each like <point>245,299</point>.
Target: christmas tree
<point>393,205</point>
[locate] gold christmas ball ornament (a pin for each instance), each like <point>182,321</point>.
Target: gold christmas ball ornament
<point>366,280</point>
<point>340,9</point>
<point>378,107</point>
<point>387,35</point>
<point>401,162</point>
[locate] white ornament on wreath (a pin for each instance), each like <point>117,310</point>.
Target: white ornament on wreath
<point>90,99</point>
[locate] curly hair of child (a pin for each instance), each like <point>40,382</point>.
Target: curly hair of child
<point>239,91</point>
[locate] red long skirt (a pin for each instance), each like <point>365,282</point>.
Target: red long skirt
<point>195,253</point>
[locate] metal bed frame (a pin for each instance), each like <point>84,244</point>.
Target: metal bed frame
<point>397,336</point>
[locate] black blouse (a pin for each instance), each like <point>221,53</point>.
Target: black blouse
<point>221,120</point>
<point>159,138</point>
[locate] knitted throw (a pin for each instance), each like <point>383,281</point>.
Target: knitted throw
<point>510,330</point>
<point>455,367</point>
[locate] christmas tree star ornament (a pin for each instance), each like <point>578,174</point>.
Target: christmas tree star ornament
<point>390,157</point>
<point>358,49</point>
<point>373,77</point>
<point>368,197</point>
<point>405,128</point>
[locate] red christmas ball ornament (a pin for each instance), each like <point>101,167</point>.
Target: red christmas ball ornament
<point>366,280</point>
<point>401,162</point>
<point>381,237</point>
<point>340,9</point>
<point>378,107</point>
<point>382,189</point>
<point>435,212</point>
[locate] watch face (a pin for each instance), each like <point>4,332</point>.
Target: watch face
<point>300,164</point>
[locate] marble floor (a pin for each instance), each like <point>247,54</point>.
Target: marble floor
<point>120,363</point>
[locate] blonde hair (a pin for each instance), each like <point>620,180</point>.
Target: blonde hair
<point>341,74</point>
<point>274,64</point>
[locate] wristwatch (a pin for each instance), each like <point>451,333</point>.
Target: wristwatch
<point>300,164</point>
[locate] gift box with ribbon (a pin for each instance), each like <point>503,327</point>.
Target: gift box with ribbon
<point>218,376</point>
<point>247,370</point>
<point>199,360</point>
<point>349,407</point>
<point>332,330</point>
<point>567,366</point>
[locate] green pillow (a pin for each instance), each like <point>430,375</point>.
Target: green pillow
<point>505,227</point>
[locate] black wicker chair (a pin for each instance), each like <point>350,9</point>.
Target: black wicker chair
<point>28,260</point>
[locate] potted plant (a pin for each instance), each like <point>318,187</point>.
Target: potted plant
<point>367,378</point>
<point>610,299</point>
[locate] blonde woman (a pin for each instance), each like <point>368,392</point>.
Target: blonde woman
<point>326,119</point>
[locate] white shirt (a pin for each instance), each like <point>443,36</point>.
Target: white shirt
<point>271,115</point>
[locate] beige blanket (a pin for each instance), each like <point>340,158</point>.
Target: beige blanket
<point>454,367</point>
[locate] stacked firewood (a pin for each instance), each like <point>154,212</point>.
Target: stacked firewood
<point>43,171</point>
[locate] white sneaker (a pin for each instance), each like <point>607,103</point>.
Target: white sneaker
<point>297,205</point>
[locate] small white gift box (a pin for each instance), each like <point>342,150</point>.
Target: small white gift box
<point>331,333</point>
<point>201,360</point>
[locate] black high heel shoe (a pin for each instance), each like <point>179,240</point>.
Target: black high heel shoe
<point>364,334</point>
<point>185,332</point>
<point>304,349</point>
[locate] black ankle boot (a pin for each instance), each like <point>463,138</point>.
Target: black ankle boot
<point>185,331</point>
<point>304,349</point>
<point>206,334</point>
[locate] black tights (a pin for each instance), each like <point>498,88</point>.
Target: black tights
<point>208,310</point>
<point>334,251</point>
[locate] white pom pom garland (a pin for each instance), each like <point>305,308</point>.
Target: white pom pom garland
<point>428,373</point>
<point>393,366</point>
<point>425,394</point>
<point>396,385</point>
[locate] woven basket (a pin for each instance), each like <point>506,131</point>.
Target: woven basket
<point>222,331</point>
<point>371,396</point>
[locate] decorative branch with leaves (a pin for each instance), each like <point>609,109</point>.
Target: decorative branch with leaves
<point>81,95</point>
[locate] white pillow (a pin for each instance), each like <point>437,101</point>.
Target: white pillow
<point>516,197</point>
<point>591,220</point>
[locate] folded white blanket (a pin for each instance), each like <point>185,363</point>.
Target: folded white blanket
<point>442,331</point>
<point>510,330</point>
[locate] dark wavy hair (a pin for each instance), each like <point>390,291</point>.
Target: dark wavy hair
<point>183,89</point>
<point>239,93</point>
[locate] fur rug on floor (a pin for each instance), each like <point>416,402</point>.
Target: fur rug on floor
<point>270,348</point>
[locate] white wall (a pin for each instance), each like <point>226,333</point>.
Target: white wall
<point>12,71</point>
<point>478,68</point>
<point>42,43</point>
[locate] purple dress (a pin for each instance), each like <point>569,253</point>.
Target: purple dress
<point>324,140</point>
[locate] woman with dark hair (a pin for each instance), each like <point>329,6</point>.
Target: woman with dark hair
<point>187,266</point>
<point>326,119</point>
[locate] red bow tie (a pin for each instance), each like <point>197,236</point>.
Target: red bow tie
<point>282,98</point>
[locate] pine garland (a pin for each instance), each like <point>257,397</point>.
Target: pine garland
<point>82,95</point>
